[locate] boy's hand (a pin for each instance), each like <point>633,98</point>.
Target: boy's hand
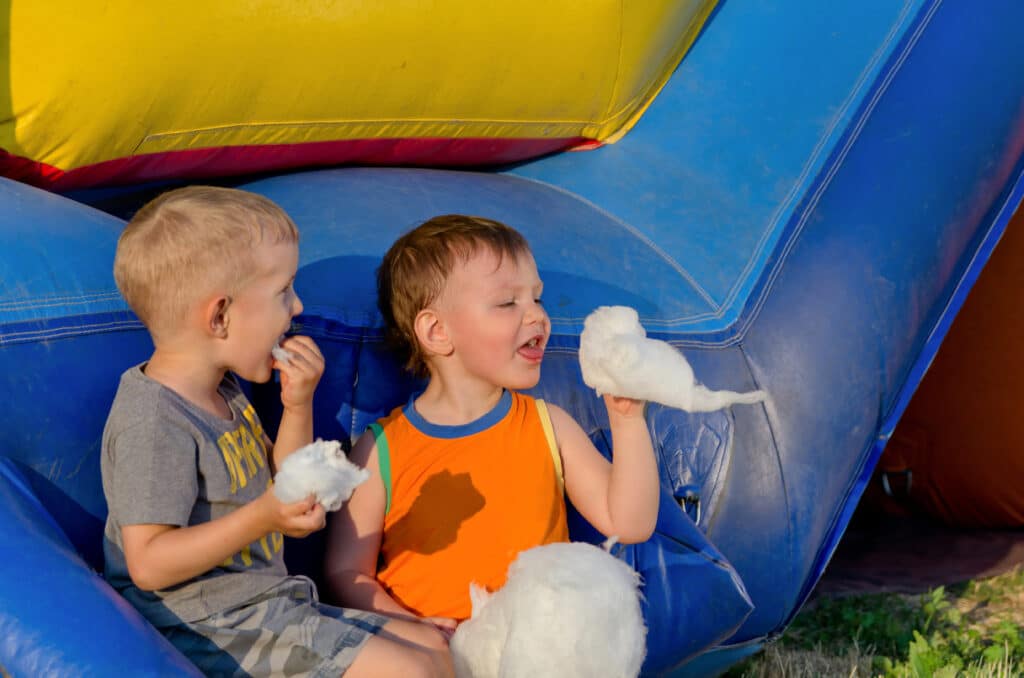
<point>301,373</point>
<point>445,625</point>
<point>297,519</point>
<point>627,407</point>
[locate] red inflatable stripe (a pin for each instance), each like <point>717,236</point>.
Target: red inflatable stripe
<point>206,163</point>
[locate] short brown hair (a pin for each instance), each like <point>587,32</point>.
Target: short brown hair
<point>185,243</point>
<point>417,265</point>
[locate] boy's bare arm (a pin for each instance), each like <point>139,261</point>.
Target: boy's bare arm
<point>299,377</point>
<point>621,498</point>
<point>160,556</point>
<point>353,541</point>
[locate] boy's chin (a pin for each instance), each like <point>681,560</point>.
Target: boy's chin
<point>260,376</point>
<point>526,382</point>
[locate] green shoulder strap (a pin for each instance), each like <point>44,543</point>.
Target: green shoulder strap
<point>384,461</point>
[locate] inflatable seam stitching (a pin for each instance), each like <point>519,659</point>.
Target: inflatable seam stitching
<point>829,172</point>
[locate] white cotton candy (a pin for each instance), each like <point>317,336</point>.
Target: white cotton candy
<point>617,358</point>
<point>566,611</point>
<point>322,469</point>
<point>281,355</point>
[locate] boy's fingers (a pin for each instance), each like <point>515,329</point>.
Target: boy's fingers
<point>623,405</point>
<point>443,624</point>
<point>301,507</point>
<point>303,346</point>
<point>301,370</point>
<point>303,363</point>
<point>305,516</point>
<point>315,518</point>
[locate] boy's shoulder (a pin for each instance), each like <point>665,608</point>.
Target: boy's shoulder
<point>135,389</point>
<point>140,404</point>
<point>144,403</point>
<point>134,384</point>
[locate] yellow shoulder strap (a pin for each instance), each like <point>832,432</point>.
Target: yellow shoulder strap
<point>549,434</point>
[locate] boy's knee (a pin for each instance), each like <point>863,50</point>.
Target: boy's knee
<point>428,666</point>
<point>405,649</point>
<point>419,634</point>
<point>432,658</point>
<point>431,638</point>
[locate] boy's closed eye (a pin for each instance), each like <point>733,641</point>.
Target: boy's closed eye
<point>508,303</point>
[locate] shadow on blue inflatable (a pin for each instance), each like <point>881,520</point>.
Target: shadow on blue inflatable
<point>793,229</point>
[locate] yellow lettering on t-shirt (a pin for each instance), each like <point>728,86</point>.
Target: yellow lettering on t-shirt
<point>246,556</point>
<point>254,423</point>
<point>229,449</point>
<point>266,547</point>
<point>244,455</point>
<point>243,450</point>
<point>270,544</point>
<point>252,453</point>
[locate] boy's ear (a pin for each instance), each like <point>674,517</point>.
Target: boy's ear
<point>431,333</point>
<point>216,317</point>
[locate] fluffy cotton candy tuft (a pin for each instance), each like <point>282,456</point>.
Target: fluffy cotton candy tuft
<point>322,469</point>
<point>617,358</point>
<point>567,610</point>
<point>280,354</point>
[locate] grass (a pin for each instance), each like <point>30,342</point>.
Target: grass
<point>974,629</point>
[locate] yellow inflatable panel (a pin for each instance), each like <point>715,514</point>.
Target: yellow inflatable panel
<point>91,83</point>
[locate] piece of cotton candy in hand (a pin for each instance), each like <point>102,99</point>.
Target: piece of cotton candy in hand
<point>617,358</point>
<point>322,469</point>
<point>566,610</point>
<point>281,355</point>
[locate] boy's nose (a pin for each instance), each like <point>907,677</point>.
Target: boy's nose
<point>536,314</point>
<point>296,306</point>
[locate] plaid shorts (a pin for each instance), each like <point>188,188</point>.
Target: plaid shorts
<point>283,632</point>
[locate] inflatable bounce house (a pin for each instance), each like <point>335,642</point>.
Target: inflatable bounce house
<point>796,196</point>
<point>955,455</point>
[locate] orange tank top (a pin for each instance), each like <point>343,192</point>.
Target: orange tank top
<point>463,501</point>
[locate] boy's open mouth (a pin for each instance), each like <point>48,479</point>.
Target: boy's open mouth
<point>280,354</point>
<point>533,350</point>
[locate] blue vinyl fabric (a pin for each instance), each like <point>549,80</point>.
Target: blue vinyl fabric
<point>802,210</point>
<point>58,617</point>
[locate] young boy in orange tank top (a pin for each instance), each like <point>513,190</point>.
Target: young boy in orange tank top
<point>469,472</point>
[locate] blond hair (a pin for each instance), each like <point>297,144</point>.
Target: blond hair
<point>417,265</point>
<point>187,243</point>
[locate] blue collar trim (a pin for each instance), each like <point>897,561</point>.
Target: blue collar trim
<point>488,420</point>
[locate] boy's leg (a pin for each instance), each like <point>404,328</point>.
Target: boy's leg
<point>285,631</point>
<point>403,649</point>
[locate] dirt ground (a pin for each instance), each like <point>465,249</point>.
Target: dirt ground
<point>913,554</point>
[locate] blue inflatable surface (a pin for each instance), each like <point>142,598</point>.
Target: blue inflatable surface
<point>802,210</point>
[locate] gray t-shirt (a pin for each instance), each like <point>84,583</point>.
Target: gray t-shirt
<point>166,461</point>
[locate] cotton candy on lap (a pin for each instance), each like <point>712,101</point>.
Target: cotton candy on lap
<point>567,610</point>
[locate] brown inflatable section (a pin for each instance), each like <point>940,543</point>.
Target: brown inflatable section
<point>958,452</point>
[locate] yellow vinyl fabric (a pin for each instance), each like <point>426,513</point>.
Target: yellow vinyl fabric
<point>89,82</point>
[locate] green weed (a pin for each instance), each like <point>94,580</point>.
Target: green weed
<point>974,629</point>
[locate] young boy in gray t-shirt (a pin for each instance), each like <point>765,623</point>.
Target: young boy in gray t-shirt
<point>194,535</point>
